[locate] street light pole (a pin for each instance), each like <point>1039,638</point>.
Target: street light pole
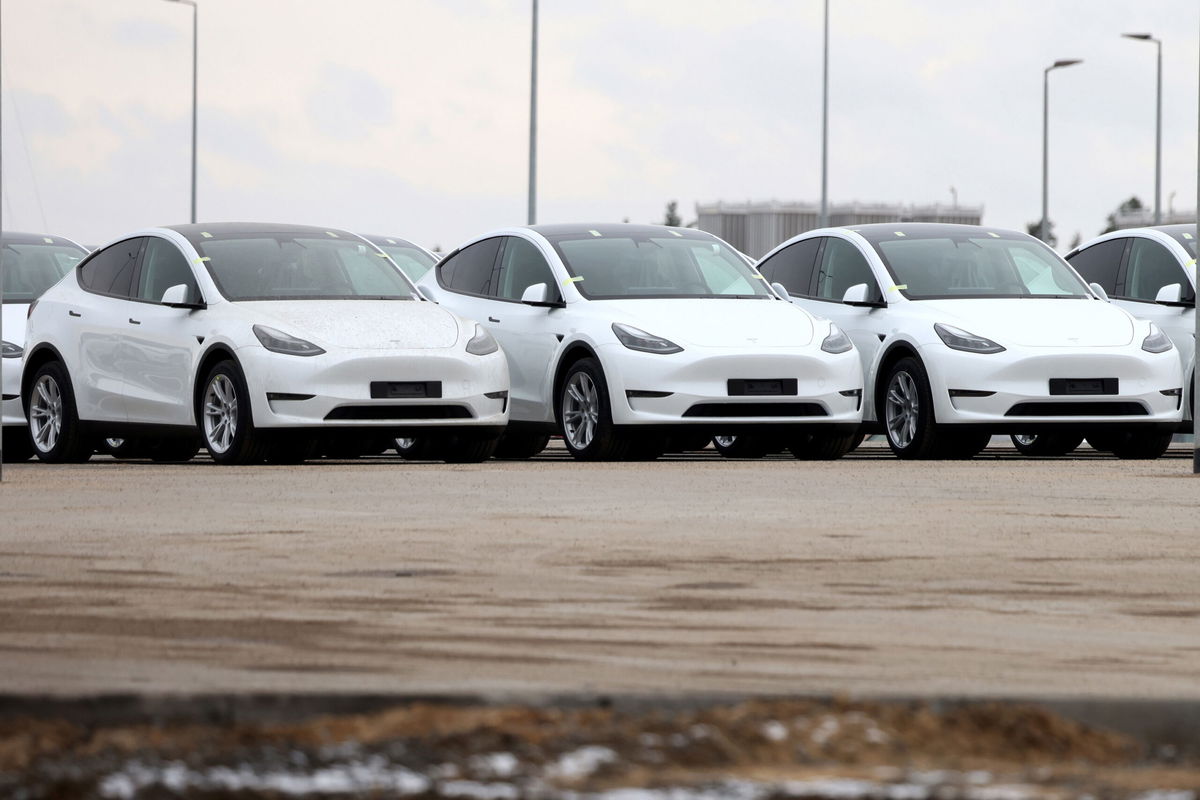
<point>195,80</point>
<point>1145,37</point>
<point>533,120</point>
<point>1043,230</point>
<point>824,220</point>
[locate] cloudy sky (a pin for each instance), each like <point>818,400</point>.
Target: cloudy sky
<point>410,117</point>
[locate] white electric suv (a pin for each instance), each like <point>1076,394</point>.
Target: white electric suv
<point>30,263</point>
<point>258,341</point>
<point>968,331</point>
<point>622,336</point>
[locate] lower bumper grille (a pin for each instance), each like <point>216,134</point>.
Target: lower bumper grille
<point>756,410</point>
<point>399,412</point>
<point>1115,409</point>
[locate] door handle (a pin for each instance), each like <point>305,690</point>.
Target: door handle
<point>133,321</point>
<point>492,319</point>
<point>74,313</point>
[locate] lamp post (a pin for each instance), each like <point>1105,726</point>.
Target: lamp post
<point>824,220</point>
<point>1145,37</point>
<point>195,37</point>
<point>1065,62</point>
<point>533,120</point>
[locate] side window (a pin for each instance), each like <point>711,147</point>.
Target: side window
<point>110,271</point>
<point>470,270</point>
<point>163,266</point>
<point>1151,267</point>
<point>522,266</point>
<point>843,266</point>
<point>1099,263</point>
<point>793,266</point>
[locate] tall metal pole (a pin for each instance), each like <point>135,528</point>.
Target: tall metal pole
<point>1,251</point>
<point>824,220</point>
<point>1158,144</point>
<point>533,120</point>
<point>195,82</point>
<point>1044,226</point>
<point>1196,266</point>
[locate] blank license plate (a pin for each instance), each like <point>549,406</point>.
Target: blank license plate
<point>381,390</point>
<point>765,387</point>
<point>1084,386</point>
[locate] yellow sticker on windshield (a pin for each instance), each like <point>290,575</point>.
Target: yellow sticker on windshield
<point>331,233</point>
<point>206,234</point>
<point>760,277</point>
<point>900,233</point>
<point>1187,236</point>
<point>676,233</point>
<point>595,233</point>
<point>1192,263</point>
<point>203,259</point>
<point>993,235</point>
<point>898,287</point>
<point>575,279</point>
<point>47,240</point>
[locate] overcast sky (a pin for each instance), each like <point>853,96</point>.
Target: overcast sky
<point>411,118</point>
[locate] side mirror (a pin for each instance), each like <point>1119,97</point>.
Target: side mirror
<point>857,295</point>
<point>541,295</point>
<point>1170,295</point>
<point>177,297</point>
<point>781,290</point>
<point>1099,290</point>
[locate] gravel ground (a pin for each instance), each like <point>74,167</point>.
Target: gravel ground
<point>999,576</point>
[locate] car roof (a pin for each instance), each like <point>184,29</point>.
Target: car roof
<point>15,237</point>
<point>614,229</point>
<point>1181,227</point>
<point>932,229</point>
<point>235,228</point>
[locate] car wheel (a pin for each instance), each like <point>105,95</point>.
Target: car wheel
<point>1104,442</point>
<point>1046,444</point>
<point>585,418</point>
<point>908,411</point>
<point>823,446</point>
<point>226,424</point>
<point>54,426</point>
<point>17,444</point>
<point>521,445</point>
<point>962,446</point>
<point>688,442</point>
<point>175,450</point>
<point>1138,445</point>
<point>646,447</point>
<point>463,449</point>
<point>741,446</point>
<point>124,448</point>
<point>291,449</point>
<point>417,449</point>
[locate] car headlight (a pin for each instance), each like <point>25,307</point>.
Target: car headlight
<point>638,339</point>
<point>10,350</point>
<point>1156,341</point>
<point>958,339</point>
<point>482,343</point>
<point>836,341</point>
<point>280,342</point>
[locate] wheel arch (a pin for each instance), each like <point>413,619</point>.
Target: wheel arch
<point>896,351</point>
<point>40,355</point>
<point>212,356</point>
<point>572,354</point>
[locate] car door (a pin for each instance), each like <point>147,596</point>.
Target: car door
<point>97,353</point>
<point>466,280</point>
<point>529,335</point>
<point>162,343</point>
<point>1101,263</point>
<point>1149,266</point>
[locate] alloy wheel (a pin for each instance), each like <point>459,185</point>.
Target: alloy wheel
<point>46,413</point>
<point>581,410</point>
<point>902,409</point>
<point>724,441</point>
<point>220,413</point>
<point>1024,439</point>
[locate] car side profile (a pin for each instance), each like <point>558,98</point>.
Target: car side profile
<point>624,337</point>
<point>257,341</point>
<point>969,331</point>
<point>30,263</point>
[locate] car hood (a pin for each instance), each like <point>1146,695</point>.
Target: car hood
<point>1038,322</point>
<point>14,323</point>
<point>717,322</point>
<point>362,324</point>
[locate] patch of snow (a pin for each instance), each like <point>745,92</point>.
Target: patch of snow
<point>479,791</point>
<point>774,731</point>
<point>499,765</point>
<point>1166,794</point>
<point>826,730</point>
<point>375,774</point>
<point>581,763</point>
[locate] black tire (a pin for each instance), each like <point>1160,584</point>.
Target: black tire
<point>124,449</point>
<point>518,446</point>
<point>417,449</point>
<point>688,442</point>
<point>17,444</point>
<point>466,449</point>
<point>912,432</point>
<point>243,444</point>
<point>646,447</point>
<point>957,445</point>
<point>67,445</point>
<point>174,450</point>
<point>823,446</point>
<point>583,409</point>
<point>291,448</point>
<point>1136,445</point>
<point>744,445</point>
<point>1046,444</point>
<point>1105,442</point>
<point>859,438</point>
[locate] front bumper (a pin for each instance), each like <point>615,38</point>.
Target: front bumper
<point>696,391</point>
<point>11,411</point>
<point>333,390</point>
<point>1018,382</point>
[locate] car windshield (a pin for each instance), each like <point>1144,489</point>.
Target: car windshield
<point>667,265</point>
<point>1187,239</point>
<point>31,269</point>
<point>412,260</point>
<point>299,266</point>
<point>974,264</point>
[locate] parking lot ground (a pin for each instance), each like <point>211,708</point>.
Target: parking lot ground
<point>1000,576</point>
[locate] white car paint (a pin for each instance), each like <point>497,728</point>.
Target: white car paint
<point>721,339</point>
<point>1043,338</point>
<point>135,365</point>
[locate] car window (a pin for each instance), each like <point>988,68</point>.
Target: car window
<point>842,266</point>
<point>793,266</point>
<point>412,261</point>
<point>470,270</point>
<point>164,266</point>
<point>522,266</point>
<point>1100,262</point>
<point>110,271</point>
<point>1151,267</point>
<point>31,268</point>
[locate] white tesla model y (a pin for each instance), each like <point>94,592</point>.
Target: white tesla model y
<point>967,331</point>
<point>257,341</point>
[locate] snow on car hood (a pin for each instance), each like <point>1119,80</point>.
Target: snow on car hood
<point>361,324</point>
<point>718,323</point>
<point>1038,322</point>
